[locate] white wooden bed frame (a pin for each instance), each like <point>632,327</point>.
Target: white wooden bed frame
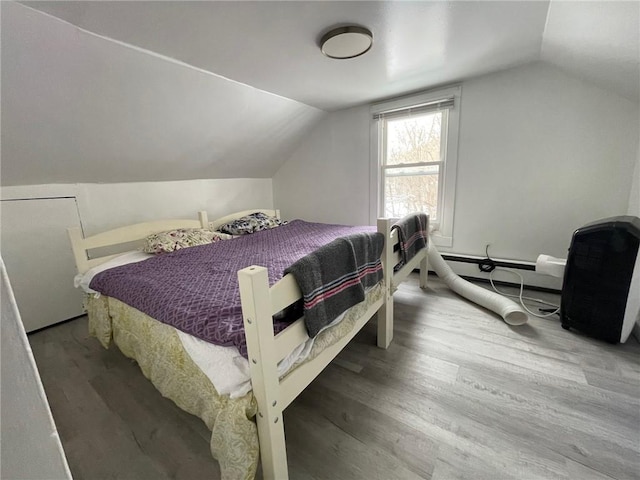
<point>259,303</point>
<point>124,235</point>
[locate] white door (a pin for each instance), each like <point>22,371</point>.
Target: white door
<point>37,253</point>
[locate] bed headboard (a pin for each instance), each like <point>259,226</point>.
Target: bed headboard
<point>123,235</point>
<point>138,232</point>
<point>214,224</point>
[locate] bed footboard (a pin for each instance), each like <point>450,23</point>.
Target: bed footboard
<point>263,361</point>
<point>391,258</point>
<point>259,303</point>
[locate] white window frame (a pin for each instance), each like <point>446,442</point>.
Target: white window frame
<point>442,230</point>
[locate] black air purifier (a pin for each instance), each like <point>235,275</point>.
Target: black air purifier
<point>601,285</point>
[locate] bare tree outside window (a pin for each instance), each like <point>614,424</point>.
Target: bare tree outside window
<point>412,164</point>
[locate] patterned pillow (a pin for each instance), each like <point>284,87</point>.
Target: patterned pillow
<point>221,235</point>
<point>172,240</point>
<point>253,222</point>
<point>263,221</point>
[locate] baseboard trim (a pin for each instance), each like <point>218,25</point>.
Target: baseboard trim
<point>520,265</point>
<point>57,323</point>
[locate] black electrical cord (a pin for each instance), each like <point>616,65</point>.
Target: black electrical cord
<point>487,265</point>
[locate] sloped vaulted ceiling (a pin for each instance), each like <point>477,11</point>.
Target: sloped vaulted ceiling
<point>79,108</point>
<point>598,41</point>
<point>273,45</point>
<point>105,91</point>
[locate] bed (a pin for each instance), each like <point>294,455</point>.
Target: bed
<point>248,425</point>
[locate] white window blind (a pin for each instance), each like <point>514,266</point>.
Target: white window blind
<point>445,103</point>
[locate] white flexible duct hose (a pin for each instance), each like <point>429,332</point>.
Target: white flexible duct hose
<point>510,311</point>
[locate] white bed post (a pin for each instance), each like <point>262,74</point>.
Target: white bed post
<point>424,263</point>
<point>385,314</point>
<point>258,327</point>
<point>79,253</point>
<point>424,269</point>
<point>204,219</point>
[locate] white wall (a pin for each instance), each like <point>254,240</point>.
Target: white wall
<point>30,444</point>
<point>540,154</point>
<point>634,194</point>
<point>105,206</point>
<point>327,178</point>
<point>546,153</point>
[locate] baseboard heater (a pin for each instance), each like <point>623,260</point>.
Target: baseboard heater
<point>498,263</point>
<point>530,266</point>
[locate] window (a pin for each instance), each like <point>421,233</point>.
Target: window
<point>415,152</point>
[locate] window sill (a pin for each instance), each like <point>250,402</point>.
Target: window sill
<point>440,240</point>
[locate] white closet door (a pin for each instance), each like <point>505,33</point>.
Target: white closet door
<point>37,253</point>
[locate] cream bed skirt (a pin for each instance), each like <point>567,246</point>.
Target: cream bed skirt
<point>159,352</point>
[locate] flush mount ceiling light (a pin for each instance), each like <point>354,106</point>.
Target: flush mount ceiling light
<point>346,42</point>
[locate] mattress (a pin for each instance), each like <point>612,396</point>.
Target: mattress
<point>196,289</point>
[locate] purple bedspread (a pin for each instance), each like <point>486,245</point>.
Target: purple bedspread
<point>196,289</point>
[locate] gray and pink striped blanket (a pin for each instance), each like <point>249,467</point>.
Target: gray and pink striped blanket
<point>336,276</point>
<point>196,289</point>
<point>413,235</point>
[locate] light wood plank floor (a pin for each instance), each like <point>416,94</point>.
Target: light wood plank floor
<point>459,394</point>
